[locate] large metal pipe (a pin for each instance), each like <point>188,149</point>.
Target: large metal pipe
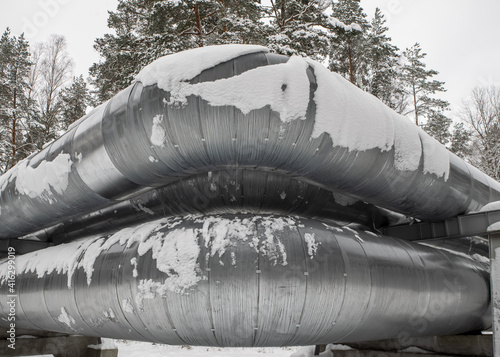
<point>113,154</point>
<point>156,146</point>
<point>246,280</point>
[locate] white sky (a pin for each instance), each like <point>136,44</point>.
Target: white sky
<point>459,36</point>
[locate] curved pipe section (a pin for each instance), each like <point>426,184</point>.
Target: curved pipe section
<point>142,139</point>
<point>246,280</point>
<point>192,136</point>
<point>220,192</point>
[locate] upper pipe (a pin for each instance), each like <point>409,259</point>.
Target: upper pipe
<point>227,107</point>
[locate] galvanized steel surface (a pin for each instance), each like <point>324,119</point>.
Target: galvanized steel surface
<point>322,284</point>
<point>357,286</point>
<point>113,158</point>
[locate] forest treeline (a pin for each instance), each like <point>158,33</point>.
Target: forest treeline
<point>40,97</point>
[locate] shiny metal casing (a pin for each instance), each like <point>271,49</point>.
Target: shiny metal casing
<point>355,287</point>
<point>116,151</point>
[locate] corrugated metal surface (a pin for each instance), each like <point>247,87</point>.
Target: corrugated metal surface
<point>279,291</point>
<point>113,158</point>
<point>354,287</point>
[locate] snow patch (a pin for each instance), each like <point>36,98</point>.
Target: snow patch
<point>133,261</point>
<point>158,135</point>
<point>139,206</point>
<point>407,145</point>
<point>176,254</point>
<point>356,234</point>
<point>107,344</point>
<point>127,306</point>
<point>109,314</point>
<point>91,253</point>
<point>492,206</point>
<point>46,178</point>
<point>312,245</point>
<point>221,233</point>
<point>284,87</point>
<point>171,71</point>
<point>66,319</point>
<point>332,228</point>
<point>63,259</point>
<point>493,227</point>
<point>66,258</point>
<point>481,259</point>
<point>309,352</point>
<point>344,200</point>
<point>354,119</point>
<point>141,349</point>
<point>436,157</point>
<point>337,23</point>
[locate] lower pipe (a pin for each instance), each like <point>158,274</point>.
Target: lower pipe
<point>246,280</point>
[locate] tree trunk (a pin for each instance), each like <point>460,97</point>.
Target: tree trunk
<point>14,125</point>
<point>415,103</point>
<point>351,65</point>
<point>198,25</point>
<point>283,11</point>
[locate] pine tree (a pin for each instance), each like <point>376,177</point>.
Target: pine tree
<point>74,101</point>
<point>420,87</point>
<point>301,28</point>
<point>383,64</point>
<point>438,126</point>
<point>460,141</point>
<point>348,51</point>
<point>14,102</point>
<point>148,29</point>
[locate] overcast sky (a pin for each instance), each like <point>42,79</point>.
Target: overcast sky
<point>461,37</point>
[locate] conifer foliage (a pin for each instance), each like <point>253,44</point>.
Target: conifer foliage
<point>35,104</point>
<point>420,87</point>
<point>348,52</point>
<point>148,29</point>
<point>15,104</point>
<point>299,27</point>
<point>74,101</point>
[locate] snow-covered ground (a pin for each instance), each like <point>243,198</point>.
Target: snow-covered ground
<point>147,349</point>
<point>140,349</point>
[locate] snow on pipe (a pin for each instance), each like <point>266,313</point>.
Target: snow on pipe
<point>248,280</point>
<point>236,106</point>
<point>285,123</point>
